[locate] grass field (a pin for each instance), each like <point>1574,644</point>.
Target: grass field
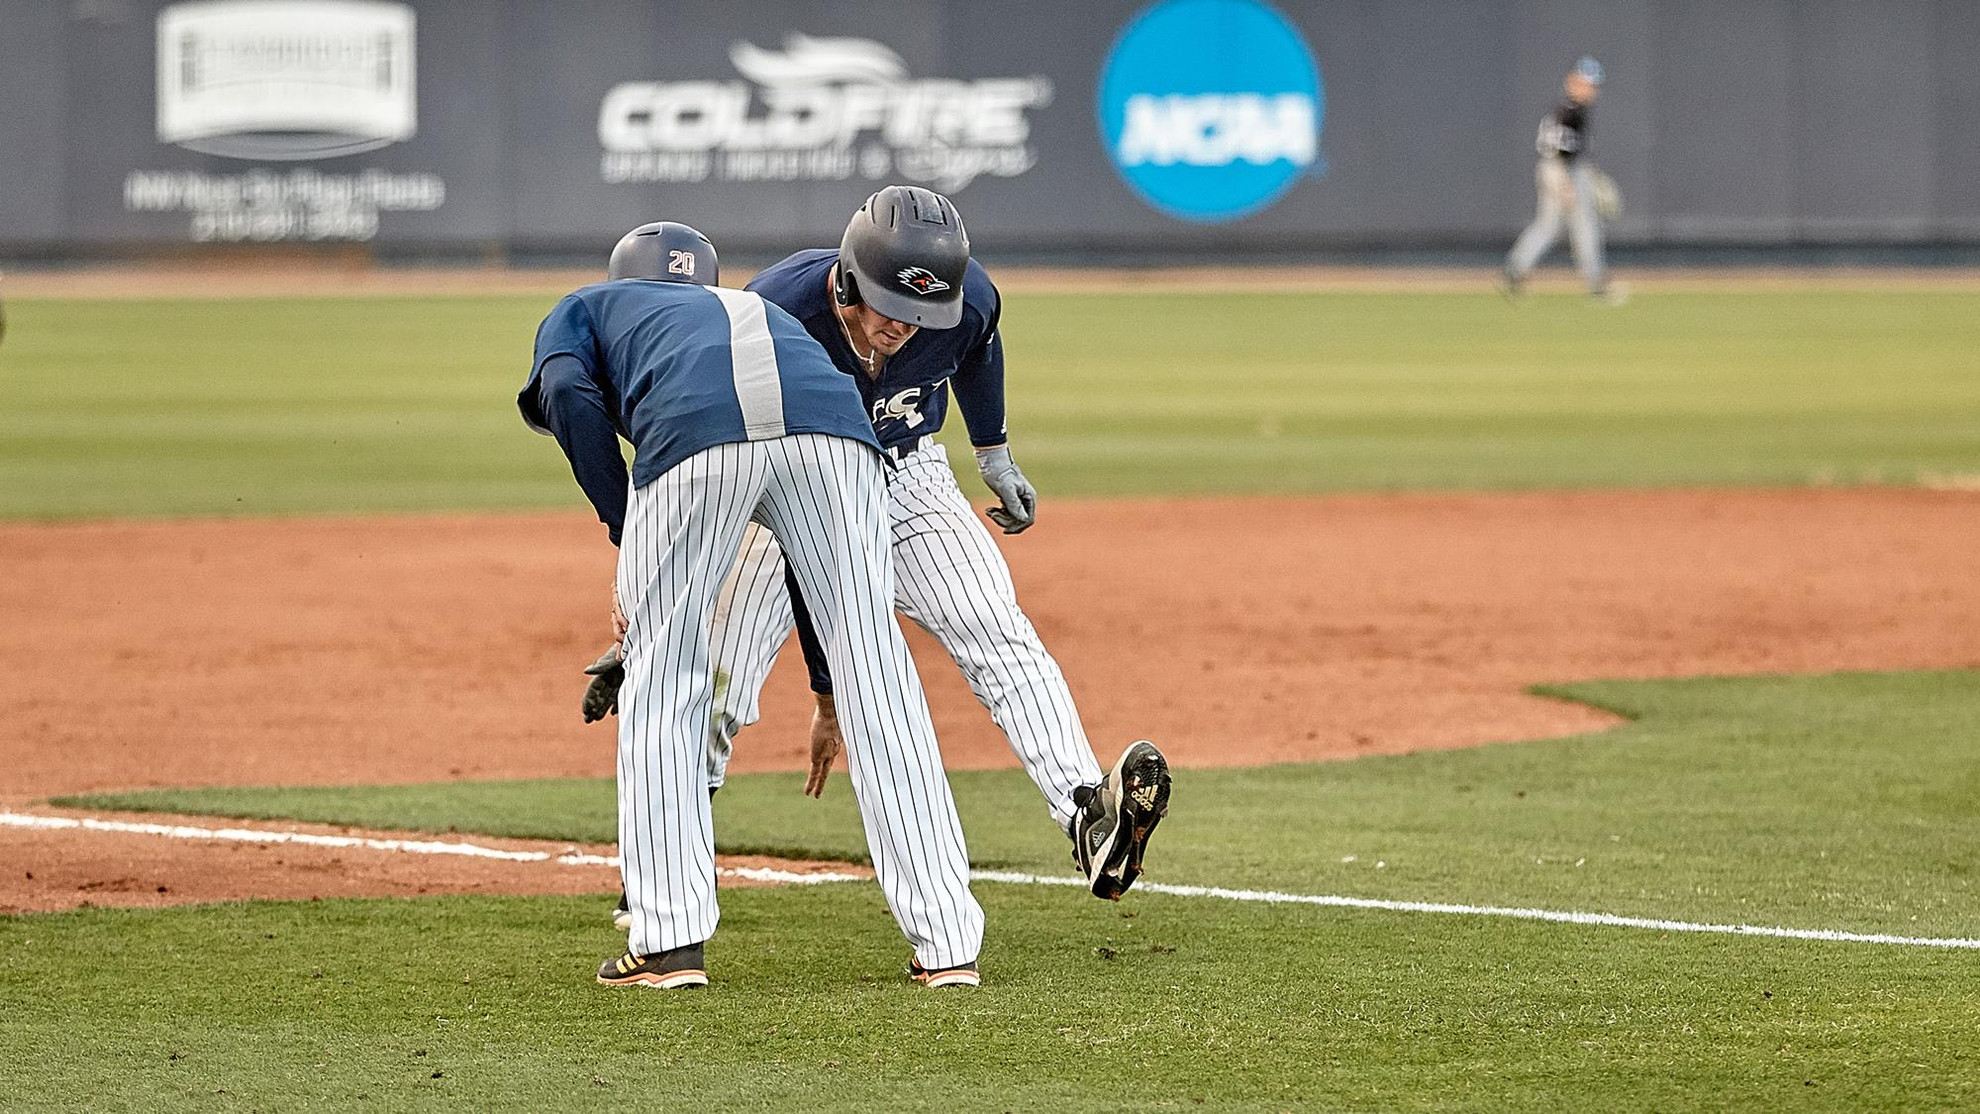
<point>1839,802</point>
<point>280,406</point>
<point>1844,803</point>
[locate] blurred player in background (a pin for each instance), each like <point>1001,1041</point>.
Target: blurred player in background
<point>1572,190</point>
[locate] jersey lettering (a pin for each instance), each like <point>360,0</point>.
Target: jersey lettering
<point>905,407</point>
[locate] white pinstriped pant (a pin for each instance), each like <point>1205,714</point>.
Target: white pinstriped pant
<point>822,497</point>
<point>950,577</point>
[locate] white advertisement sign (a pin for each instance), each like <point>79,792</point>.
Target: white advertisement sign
<point>285,81</point>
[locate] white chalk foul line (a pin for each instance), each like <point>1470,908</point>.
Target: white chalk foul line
<point>788,877</point>
<point>405,846</point>
<point>1606,919</point>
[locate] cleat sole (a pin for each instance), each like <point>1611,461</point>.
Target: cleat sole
<point>672,980</point>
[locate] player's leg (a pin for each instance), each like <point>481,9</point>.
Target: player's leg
<point>1549,183</point>
<point>752,622</point>
<point>682,533</point>
<point>1584,227</point>
<point>827,506</point>
<point>952,579</point>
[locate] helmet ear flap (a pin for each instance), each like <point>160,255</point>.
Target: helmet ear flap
<point>845,288</point>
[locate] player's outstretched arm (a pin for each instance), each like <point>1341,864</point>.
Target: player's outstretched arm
<point>601,694</point>
<point>826,742</point>
<point>978,385</point>
<point>1019,498</point>
<point>566,398</point>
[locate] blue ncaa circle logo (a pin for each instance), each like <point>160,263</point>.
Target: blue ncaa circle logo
<point>1211,109</point>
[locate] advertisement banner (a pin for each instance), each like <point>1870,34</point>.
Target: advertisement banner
<point>1120,128</point>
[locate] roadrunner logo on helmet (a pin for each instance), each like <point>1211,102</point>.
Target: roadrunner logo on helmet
<point>919,280</point>
<point>904,255</point>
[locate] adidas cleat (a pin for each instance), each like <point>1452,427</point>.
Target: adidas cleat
<point>1116,817</point>
<point>963,975</point>
<point>674,969</point>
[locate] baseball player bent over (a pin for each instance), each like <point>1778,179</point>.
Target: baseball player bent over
<point>905,313</point>
<point>1569,185</point>
<point>737,418</point>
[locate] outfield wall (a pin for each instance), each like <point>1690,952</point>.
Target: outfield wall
<point>1194,127</point>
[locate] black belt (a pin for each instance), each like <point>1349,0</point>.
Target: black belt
<point>899,453</point>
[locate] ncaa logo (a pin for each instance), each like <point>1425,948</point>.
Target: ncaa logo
<point>1211,109</point>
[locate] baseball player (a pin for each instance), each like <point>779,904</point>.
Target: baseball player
<point>737,417</point>
<point>908,316</point>
<point>1568,185</point>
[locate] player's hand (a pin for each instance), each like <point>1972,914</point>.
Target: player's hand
<point>619,623</point>
<point>1020,499</point>
<point>601,696</point>
<point>825,744</point>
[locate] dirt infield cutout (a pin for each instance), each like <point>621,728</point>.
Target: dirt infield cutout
<point>1248,631</point>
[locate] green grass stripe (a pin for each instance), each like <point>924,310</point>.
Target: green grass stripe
<point>275,406</point>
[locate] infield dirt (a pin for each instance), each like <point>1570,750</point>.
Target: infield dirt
<point>1234,632</point>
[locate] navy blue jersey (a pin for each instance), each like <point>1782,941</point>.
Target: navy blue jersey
<point>675,368</point>
<point>910,398</point>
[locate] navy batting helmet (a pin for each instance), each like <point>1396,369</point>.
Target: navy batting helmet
<point>665,251</point>
<point>904,254</point>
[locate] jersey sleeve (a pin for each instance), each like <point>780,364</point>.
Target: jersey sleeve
<point>566,397</point>
<point>566,331</point>
<point>979,382</point>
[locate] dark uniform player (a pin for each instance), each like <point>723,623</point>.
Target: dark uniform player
<point>903,310</point>
<point>1567,183</point>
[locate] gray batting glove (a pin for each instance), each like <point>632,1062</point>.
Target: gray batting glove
<point>601,696</point>
<point>1020,499</point>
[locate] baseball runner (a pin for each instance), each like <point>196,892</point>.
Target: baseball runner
<point>738,417</point>
<point>1572,190</point>
<point>908,316</point>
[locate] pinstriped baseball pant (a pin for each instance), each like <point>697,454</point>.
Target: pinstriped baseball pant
<point>951,578</point>
<point>823,499</point>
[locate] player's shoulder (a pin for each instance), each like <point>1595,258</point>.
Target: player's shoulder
<point>797,281</point>
<point>641,294</point>
<point>980,294</point>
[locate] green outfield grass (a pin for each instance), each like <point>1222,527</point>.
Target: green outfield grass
<point>1842,802</point>
<point>311,405</point>
<point>485,1004</point>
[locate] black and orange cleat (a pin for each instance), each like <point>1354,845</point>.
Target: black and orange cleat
<point>673,969</point>
<point>961,975</point>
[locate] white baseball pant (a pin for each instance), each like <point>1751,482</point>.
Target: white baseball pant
<point>823,499</point>
<point>950,577</point>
